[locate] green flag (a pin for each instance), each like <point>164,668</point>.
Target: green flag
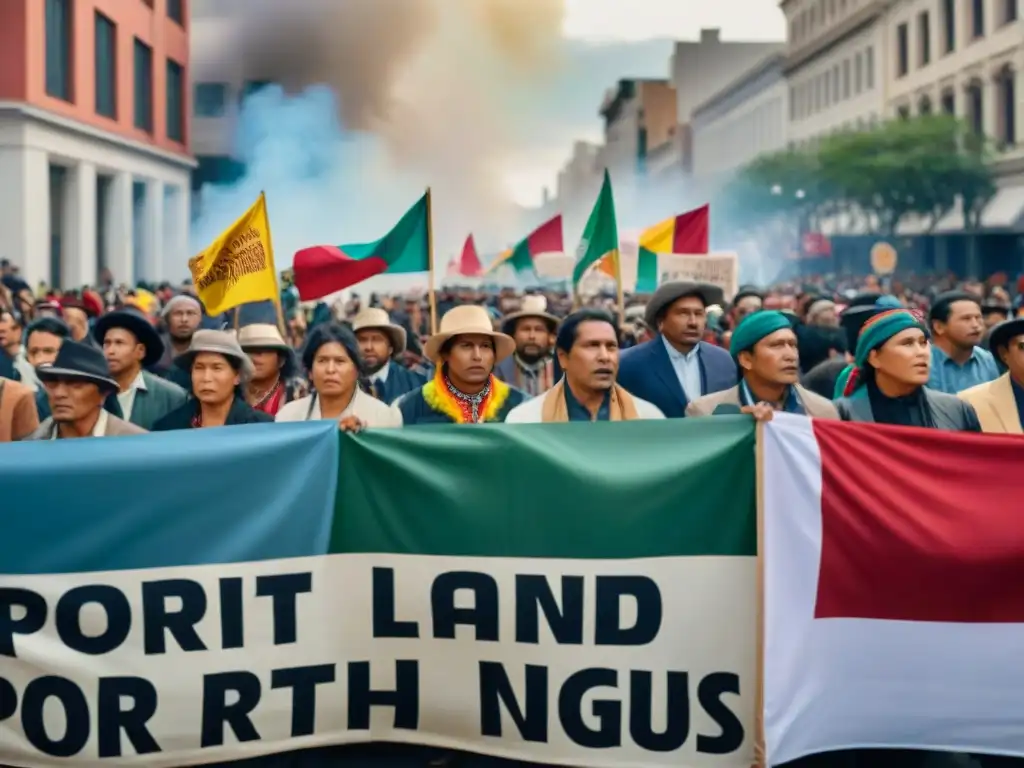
<point>601,235</point>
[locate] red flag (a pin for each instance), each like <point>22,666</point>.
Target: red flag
<point>469,263</point>
<point>690,233</point>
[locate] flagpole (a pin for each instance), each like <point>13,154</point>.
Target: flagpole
<point>619,293</point>
<point>273,266</point>
<point>430,264</point>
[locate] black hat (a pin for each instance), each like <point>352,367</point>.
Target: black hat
<point>669,293</point>
<point>80,362</point>
<point>942,302</point>
<point>995,308</point>
<point>1001,333</point>
<point>853,318</point>
<point>744,292</point>
<point>863,300</point>
<point>138,324</point>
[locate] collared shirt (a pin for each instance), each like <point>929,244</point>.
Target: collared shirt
<point>99,430</point>
<point>1018,395</point>
<point>791,403</point>
<point>381,375</point>
<point>687,368</point>
<point>127,398</point>
<point>26,370</point>
<point>579,412</point>
<point>946,376</point>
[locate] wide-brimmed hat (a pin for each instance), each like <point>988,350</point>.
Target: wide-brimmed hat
<point>464,320</point>
<point>219,343</point>
<point>377,319</point>
<point>262,336</point>
<point>669,293</point>
<point>79,362</point>
<point>138,325</point>
<point>532,306</point>
<point>1001,333</point>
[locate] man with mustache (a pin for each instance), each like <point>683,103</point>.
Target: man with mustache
<point>531,366</point>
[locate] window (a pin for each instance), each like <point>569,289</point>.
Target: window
<point>869,67</point>
<point>106,66</point>
<point>925,37</point>
<point>977,18</point>
<point>1010,11</point>
<point>975,114</point>
<point>1007,95</point>
<point>858,73</point>
<point>924,107</point>
<point>58,49</point>
<point>903,113</point>
<point>175,101</point>
<point>846,79</point>
<point>176,11</point>
<point>902,43</point>
<point>210,99</point>
<point>948,103</point>
<point>143,86</point>
<point>835,82</point>
<point>792,103</point>
<point>948,25</point>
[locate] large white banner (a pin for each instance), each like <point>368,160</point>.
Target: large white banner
<point>601,663</point>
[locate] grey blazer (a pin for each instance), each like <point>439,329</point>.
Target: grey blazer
<point>159,398</point>
<point>115,428</point>
<point>948,411</point>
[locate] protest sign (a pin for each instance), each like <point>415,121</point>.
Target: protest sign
<point>584,624</point>
<point>720,269</point>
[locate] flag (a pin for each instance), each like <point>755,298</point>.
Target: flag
<point>547,238</point>
<point>685,233</point>
<point>894,589</point>
<point>600,236</point>
<point>325,269</point>
<point>238,267</point>
<point>309,583</point>
<point>468,264</point>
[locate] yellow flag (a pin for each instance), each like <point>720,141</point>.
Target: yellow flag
<point>238,267</point>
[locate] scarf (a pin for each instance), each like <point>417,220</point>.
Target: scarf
<point>442,396</point>
<point>620,408</point>
<point>535,378</point>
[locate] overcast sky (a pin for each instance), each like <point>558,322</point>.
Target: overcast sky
<point>622,38</point>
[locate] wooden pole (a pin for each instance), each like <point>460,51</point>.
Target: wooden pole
<point>431,297</point>
<point>620,296</point>
<point>279,311</point>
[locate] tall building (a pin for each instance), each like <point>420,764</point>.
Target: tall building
<point>94,139</point>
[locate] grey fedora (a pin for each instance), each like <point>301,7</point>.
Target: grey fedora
<point>669,293</point>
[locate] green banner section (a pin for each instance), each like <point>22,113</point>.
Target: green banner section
<point>595,490</point>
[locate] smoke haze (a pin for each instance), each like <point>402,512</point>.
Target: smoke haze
<point>380,98</point>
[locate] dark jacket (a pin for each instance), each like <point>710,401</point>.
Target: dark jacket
<point>158,399</point>
<point>181,418</point>
<point>948,411</point>
<point>646,372</point>
<point>400,380</point>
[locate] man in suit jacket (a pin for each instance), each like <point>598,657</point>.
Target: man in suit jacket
<point>130,345</point>
<point>18,416</point>
<point>1000,403</point>
<point>764,347</point>
<point>77,383</point>
<point>381,344</point>
<point>676,367</point>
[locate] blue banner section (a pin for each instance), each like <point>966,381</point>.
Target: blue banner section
<point>227,495</point>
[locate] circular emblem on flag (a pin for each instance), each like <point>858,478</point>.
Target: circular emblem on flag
<point>883,258</point>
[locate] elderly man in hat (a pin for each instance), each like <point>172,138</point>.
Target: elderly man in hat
<point>182,316</point>
<point>677,367</point>
<point>531,367</point>
<point>764,347</point>
<point>464,389</point>
<point>381,344</point>
<point>130,345</point>
<point>1000,403</point>
<point>218,370</point>
<point>77,382</point>
<point>275,380</point>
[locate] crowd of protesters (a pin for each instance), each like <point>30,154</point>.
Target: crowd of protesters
<point>926,352</point>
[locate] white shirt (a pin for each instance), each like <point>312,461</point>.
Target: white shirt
<point>127,398</point>
<point>532,411</point>
<point>687,368</point>
<point>26,370</point>
<point>99,430</point>
<point>369,410</point>
<point>382,374</point>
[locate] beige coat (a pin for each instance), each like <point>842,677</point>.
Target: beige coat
<point>107,426</point>
<point>815,405</point>
<point>995,405</point>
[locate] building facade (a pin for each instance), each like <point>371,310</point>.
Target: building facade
<point>747,118</point>
<point>836,57</point>
<point>94,139</point>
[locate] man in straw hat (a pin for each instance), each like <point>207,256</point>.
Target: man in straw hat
<point>275,379</point>
<point>130,344</point>
<point>218,370</point>
<point>381,344</point>
<point>77,382</point>
<point>531,367</point>
<point>464,389</point>
<point>676,367</point>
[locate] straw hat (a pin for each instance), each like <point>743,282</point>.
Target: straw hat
<point>532,306</point>
<point>464,320</point>
<point>262,336</point>
<point>377,319</point>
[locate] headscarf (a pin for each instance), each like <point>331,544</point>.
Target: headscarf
<point>754,327</point>
<point>876,331</point>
